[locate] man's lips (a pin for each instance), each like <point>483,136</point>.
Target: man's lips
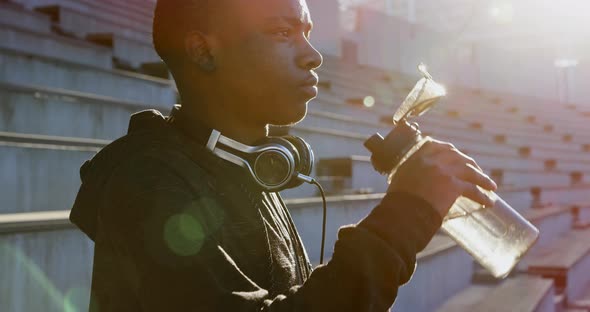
<point>310,81</point>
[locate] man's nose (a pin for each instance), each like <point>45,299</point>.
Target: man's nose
<point>309,58</point>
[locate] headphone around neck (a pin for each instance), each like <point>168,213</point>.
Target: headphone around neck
<point>275,163</point>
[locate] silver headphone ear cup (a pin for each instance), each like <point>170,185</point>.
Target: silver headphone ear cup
<point>306,156</point>
<point>264,170</point>
<point>275,162</point>
<point>306,159</point>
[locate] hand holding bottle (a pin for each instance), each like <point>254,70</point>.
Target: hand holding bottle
<point>481,222</point>
<point>439,173</point>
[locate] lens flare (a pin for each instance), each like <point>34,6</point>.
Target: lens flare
<point>183,234</point>
<point>369,101</point>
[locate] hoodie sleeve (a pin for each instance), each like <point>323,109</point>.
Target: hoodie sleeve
<point>178,264</point>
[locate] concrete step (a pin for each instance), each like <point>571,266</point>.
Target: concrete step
<point>99,8</point>
<point>519,294</point>
<point>81,24</point>
<point>126,19</point>
<point>492,156</point>
<point>581,304</point>
<point>126,50</point>
<point>41,173</point>
<point>521,178</point>
<point>17,16</point>
<point>36,256</point>
<point>446,129</point>
<point>33,110</point>
<point>564,194</point>
<point>460,99</point>
<point>567,261</point>
<point>33,69</point>
<point>360,170</point>
<point>430,286</point>
<point>581,211</point>
<point>552,222</point>
<point>496,117</point>
<point>145,8</point>
<point>54,46</point>
<point>557,195</point>
<point>479,104</point>
<point>490,118</point>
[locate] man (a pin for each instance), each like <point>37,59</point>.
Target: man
<point>177,228</point>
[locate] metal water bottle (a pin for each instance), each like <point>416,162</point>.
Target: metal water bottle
<point>497,237</point>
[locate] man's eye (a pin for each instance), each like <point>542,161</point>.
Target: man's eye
<point>283,33</point>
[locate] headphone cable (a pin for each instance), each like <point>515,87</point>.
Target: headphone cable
<point>314,182</point>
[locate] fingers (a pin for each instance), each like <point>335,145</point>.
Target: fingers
<point>450,154</point>
<point>464,172</point>
<point>476,194</point>
<point>465,167</point>
<point>456,156</point>
<point>435,146</point>
<point>466,176</point>
<point>475,176</point>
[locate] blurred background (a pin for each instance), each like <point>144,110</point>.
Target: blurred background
<point>516,72</point>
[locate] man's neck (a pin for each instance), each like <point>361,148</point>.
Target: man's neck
<point>226,121</point>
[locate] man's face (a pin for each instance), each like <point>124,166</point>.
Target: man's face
<point>265,61</point>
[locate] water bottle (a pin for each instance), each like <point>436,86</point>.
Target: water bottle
<point>497,237</point>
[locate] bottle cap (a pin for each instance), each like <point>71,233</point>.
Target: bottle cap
<point>388,151</point>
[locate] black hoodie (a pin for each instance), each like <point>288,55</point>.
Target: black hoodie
<point>179,229</point>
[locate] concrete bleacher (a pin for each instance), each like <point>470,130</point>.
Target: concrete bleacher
<point>19,68</point>
<point>475,142</point>
<point>42,166</point>
<point>15,15</point>
<point>49,45</point>
<point>519,193</point>
<point>80,24</point>
<point>61,101</point>
<point>523,293</point>
<point>46,263</point>
<point>581,212</point>
<point>59,112</point>
<point>566,261</point>
<point>126,50</point>
<point>535,285</point>
<point>106,11</point>
<point>552,221</point>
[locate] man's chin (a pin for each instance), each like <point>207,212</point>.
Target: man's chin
<point>289,118</point>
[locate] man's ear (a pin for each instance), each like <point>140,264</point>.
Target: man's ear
<point>198,51</point>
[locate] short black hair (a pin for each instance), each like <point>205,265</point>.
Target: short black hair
<point>173,19</point>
